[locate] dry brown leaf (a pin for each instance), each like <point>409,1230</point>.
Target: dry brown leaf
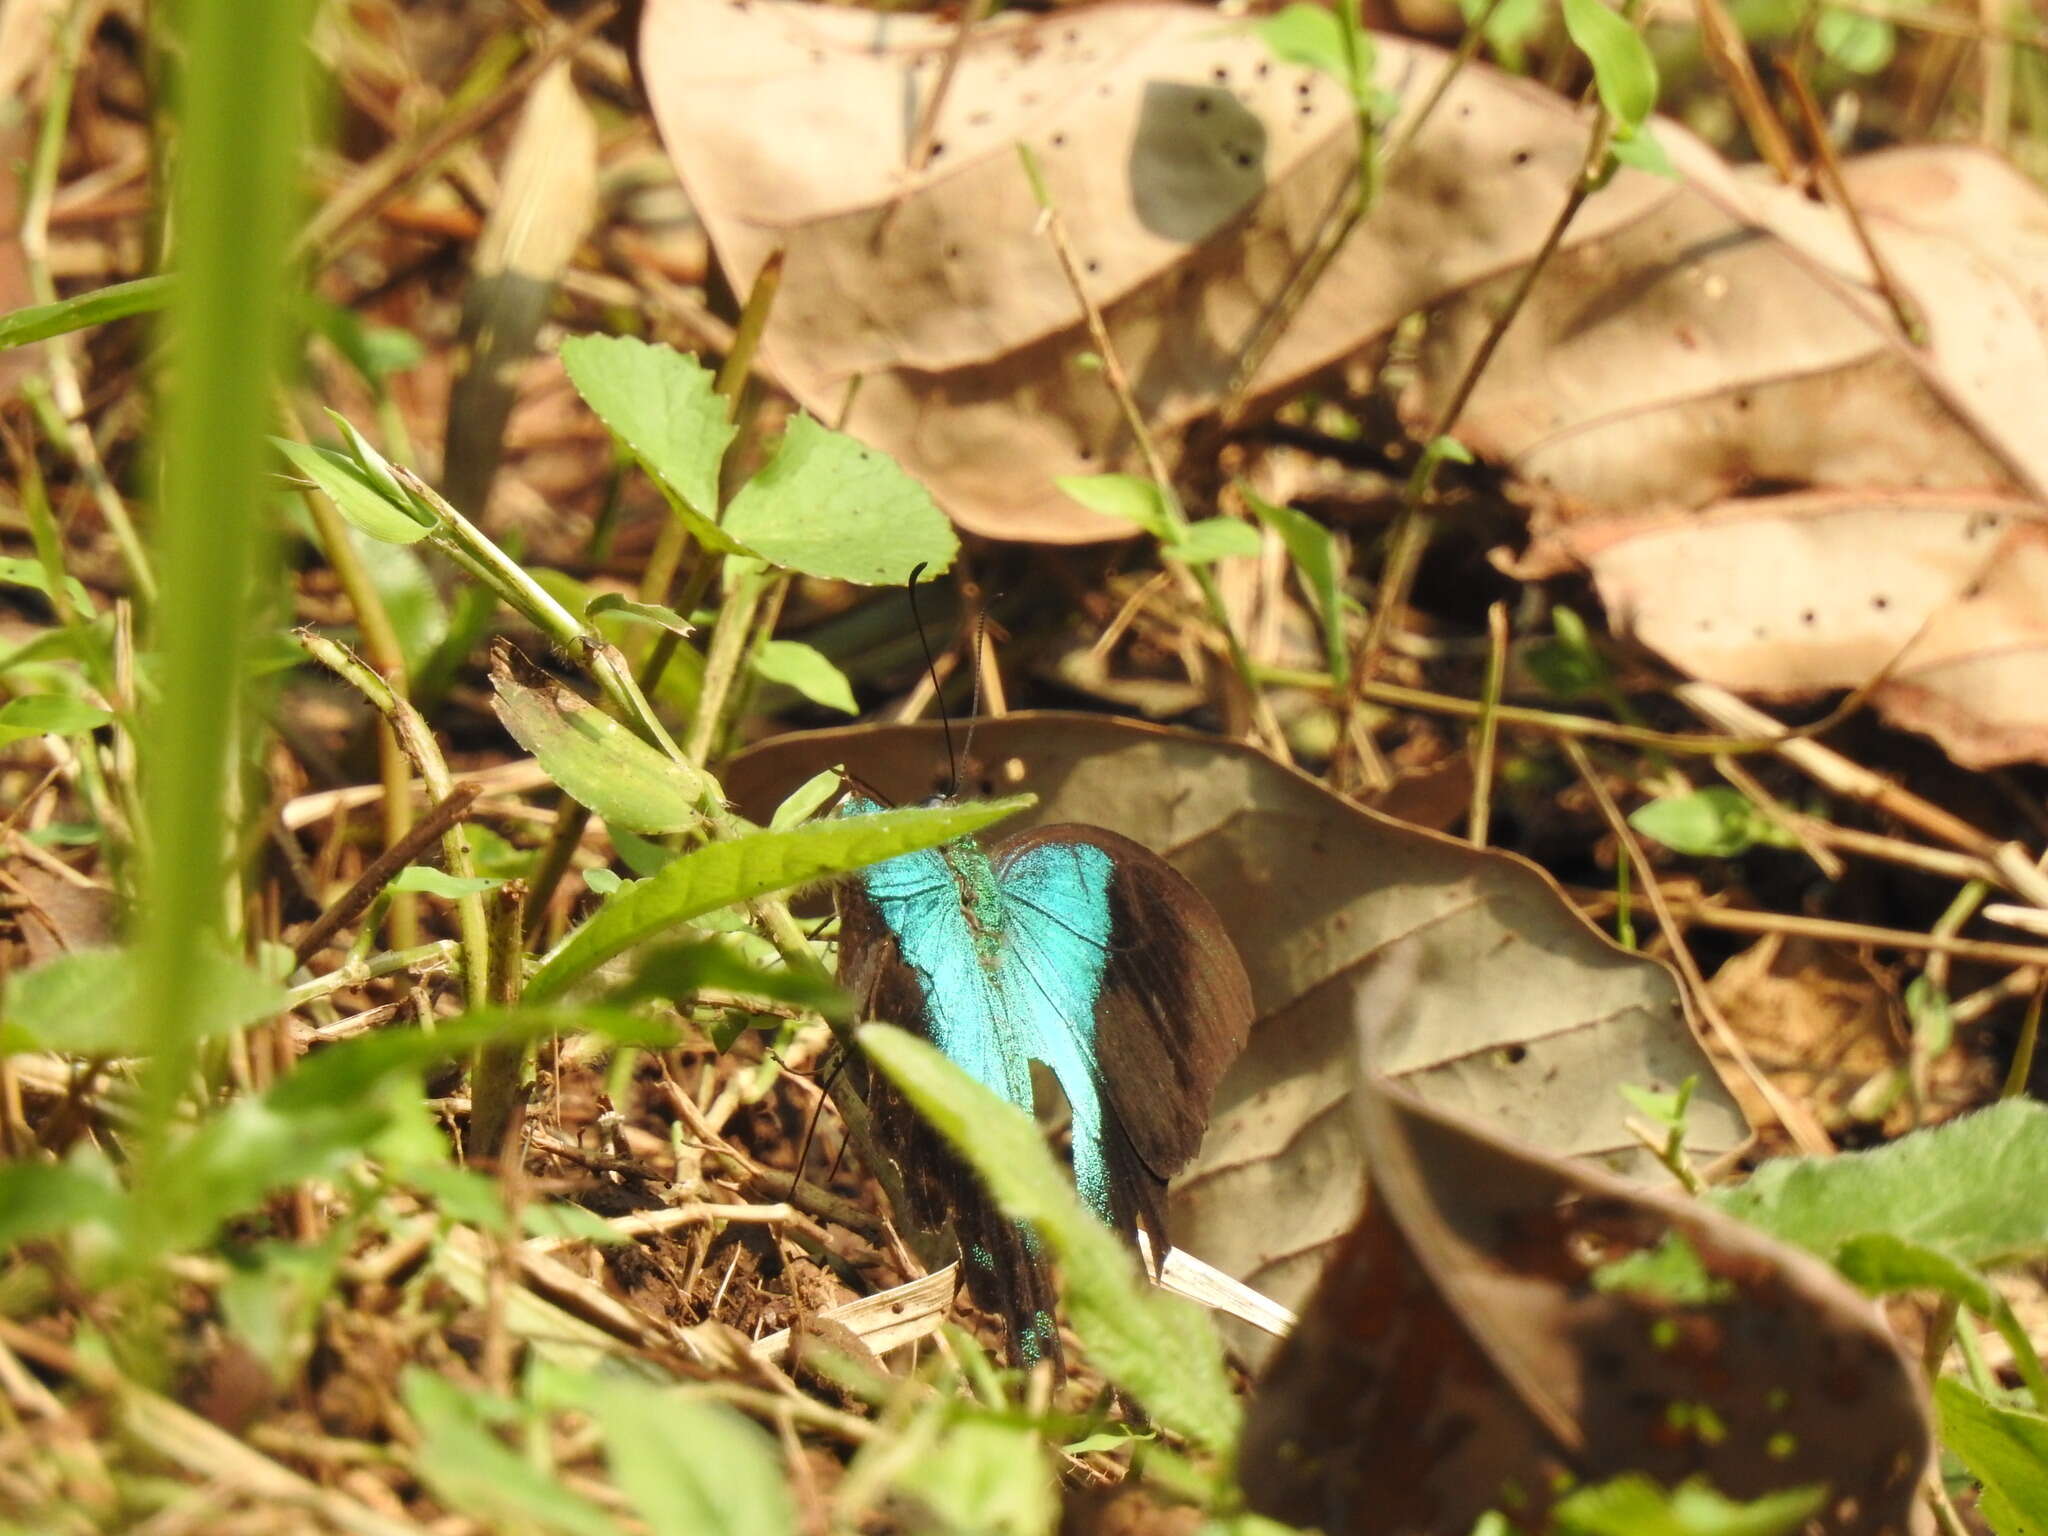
<point>1526,1015</point>
<point>1693,342</point>
<point>1192,167</point>
<point>1467,1349</point>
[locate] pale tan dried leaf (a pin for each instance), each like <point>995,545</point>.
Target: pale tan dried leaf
<point>544,208</point>
<point>1525,1014</point>
<point>790,125</point>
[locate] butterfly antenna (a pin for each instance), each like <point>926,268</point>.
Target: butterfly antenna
<point>931,667</point>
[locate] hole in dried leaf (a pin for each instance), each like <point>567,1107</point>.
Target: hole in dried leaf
<point>1806,617</point>
<point>1880,601</point>
<point>1221,74</point>
<point>1059,141</point>
<point>1521,157</point>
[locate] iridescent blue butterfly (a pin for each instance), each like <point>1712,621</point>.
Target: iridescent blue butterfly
<point>1066,945</point>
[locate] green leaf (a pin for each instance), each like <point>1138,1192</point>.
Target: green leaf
<point>1633,1505</point>
<point>1667,1109</point>
<point>1623,70</point>
<point>660,403</point>
<point>17,572</point>
<point>356,494</point>
<point>1313,549</point>
<point>1641,150</point>
<point>48,714</point>
<point>691,1467</point>
<point>271,1297</point>
<point>572,1223</point>
<point>676,973</point>
<point>1716,822</point>
<point>2005,1449</point>
<point>805,669</point>
<point>595,759</point>
<point>720,874</point>
<point>411,599</point>
<point>1975,1189</point>
<point>640,855</point>
<point>604,882</point>
<point>638,613</point>
<point>1883,1262</point>
<point>1861,44</point>
<point>438,882</point>
<point>475,1473</point>
<point>1159,1349</point>
<point>1213,539</point>
<point>43,1199</point>
<point>83,1003</point>
<point>1129,497</point>
<point>827,506</point>
<point>1307,34</point>
<point>986,1477</point>
<point>807,799</point>
<point>39,322</point>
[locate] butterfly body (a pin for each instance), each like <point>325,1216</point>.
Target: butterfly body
<point>1069,946</point>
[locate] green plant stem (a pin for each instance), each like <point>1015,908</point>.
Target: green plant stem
<point>495,1085</point>
<point>2021,1071</point>
<point>730,636</point>
<point>381,647</point>
<point>1273,738</point>
<point>353,973</point>
<point>419,745</point>
<point>75,438</point>
<point>241,98</point>
<point>1416,523</point>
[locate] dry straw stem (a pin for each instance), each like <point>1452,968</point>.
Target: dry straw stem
<point>417,739</point>
<point>398,165</point>
<point>1707,914</point>
<point>1805,1131</point>
<point>2008,862</point>
<point>1489,724</point>
<point>1904,310</point>
<point>198,1447</point>
<point>443,815</point>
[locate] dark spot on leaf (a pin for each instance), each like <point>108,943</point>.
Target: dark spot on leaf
<point>1521,157</point>
<point>1201,106</point>
<point>1059,141</point>
<point>1806,617</point>
<point>1880,601</point>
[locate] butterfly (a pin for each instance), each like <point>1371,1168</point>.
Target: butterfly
<point>1066,945</point>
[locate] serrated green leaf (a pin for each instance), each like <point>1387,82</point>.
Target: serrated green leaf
<point>692,1467</point>
<point>355,494</point>
<point>1161,1350</point>
<point>595,759</point>
<point>720,874</point>
<point>1130,497</point>
<point>1975,1189</point>
<point>1623,70</point>
<point>660,403</point>
<point>827,506</point>
<point>808,671</point>
<point>2005,1449</point>
<point>1215,538</point>
<point>48,714</point>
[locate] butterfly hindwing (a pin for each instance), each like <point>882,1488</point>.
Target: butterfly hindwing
<point>1074,947</point>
